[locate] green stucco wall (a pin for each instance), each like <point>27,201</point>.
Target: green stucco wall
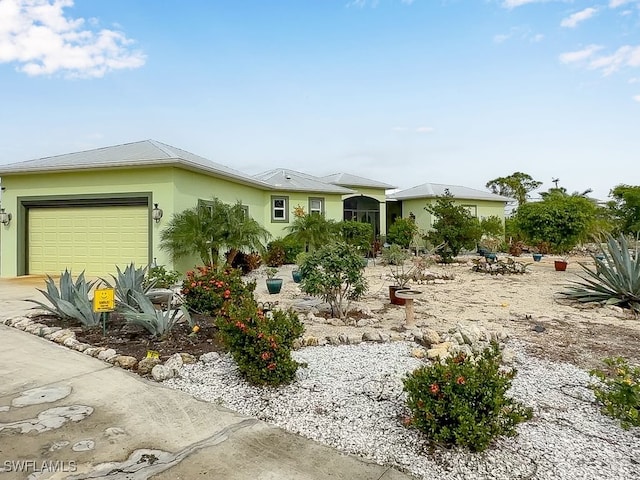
<point>332,208</point>
<point>173,189</point>
<point>424,220</point>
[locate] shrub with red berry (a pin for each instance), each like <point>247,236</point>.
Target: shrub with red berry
<point>209,291</point>
<point>260,342</point>
<point>463,401</point>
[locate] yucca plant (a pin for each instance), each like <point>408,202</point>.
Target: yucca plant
<point>71,300</point>
<point>615,279</point>
<point>128,282</point>
<point>157,322</point>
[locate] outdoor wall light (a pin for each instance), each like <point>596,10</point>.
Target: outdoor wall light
<point>5,217</point>
<point>156,213</point>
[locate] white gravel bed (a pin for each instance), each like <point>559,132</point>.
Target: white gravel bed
<point>350,397</point>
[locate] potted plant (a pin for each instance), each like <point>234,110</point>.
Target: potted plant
<point>395,257</point>
<point>561,265</point>
<point>296,273</point>
<point>274,284</point>
<point>489,248</point>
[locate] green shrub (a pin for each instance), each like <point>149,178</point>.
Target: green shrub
<point>71,301</point>
<point>615,279</point>
<point>453,229</point>
<point>402,232</point>
<point>334,272</point>
<point>560,220</point>
<point>292,247</point>
<point>160,277</point>
<point>463,402</point>
<point>157,322</point>
<point>208,290</point>
<point>276,254</point>
<point>357,234</point>
<point>395,255</point>
<point>619,391</point>
<point>261,343</point>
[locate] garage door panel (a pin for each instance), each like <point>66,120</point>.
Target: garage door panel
<point>94,239</point>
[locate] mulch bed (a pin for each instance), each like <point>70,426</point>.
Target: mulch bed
<point>135,341</point>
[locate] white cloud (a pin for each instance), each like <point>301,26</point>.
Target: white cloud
<point>625,56</point>
<point>637,98</point>
<point>618,3</point>
<point>425,129</point>
<point>522,33</point>
<point>580,55</point>
<point>574,19</point>
<point>38,36</point>
<point>519,3</point>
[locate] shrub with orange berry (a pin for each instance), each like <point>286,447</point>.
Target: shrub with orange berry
<point>463,401</point>
<point>209,291</point>
<point>261,343</point>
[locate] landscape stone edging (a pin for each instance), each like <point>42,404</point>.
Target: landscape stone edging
<point>462,339</point>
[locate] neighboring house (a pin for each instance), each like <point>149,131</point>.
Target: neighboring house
<point>95,209</point>
<point>411,203</point>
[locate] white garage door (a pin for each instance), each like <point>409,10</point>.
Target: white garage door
<point>93,239</point>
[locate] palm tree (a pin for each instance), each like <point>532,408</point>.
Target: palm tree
<point>243,233</point>
<point>313,230</point>
<point>193,232</point>
<point>212,228</point>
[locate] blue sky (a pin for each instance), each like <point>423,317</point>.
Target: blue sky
<point>407,92</point>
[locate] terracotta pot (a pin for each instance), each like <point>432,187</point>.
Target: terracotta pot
<point>392,295</point>
<point>560,265</point>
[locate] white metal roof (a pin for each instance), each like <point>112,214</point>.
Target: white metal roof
<point>136,154</point>
<point>431,190</point>
<point>285,179</point>
<point>350,180</point>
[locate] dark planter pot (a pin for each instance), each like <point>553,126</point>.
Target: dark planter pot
<point>491,257</point>
<point>297,276</point>
<point>537,257</point>
<point>274,285</point>
<point>392,295</point>
<point>560,265</point>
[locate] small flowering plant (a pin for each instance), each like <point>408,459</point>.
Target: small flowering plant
<point>618,391</point>
<point>261,344</point>
<point>463,401</point>
<point>208,291</point>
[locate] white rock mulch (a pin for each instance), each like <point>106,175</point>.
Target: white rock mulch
<point>350,397</point>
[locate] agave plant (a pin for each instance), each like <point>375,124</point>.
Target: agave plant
<point>615,279</point>
<point>71,300</point>
<point>157,322</point>
<point>128,282</point>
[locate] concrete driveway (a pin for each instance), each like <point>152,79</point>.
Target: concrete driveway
<point>67,415</point>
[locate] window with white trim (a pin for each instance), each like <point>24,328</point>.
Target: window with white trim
<point>316,205</point>
<point>279,209</point>
<point>472,210</point>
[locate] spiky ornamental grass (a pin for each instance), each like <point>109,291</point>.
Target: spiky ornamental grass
<point>615,279</point>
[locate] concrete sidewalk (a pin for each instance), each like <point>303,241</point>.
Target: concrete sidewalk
<point>77,417</point>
